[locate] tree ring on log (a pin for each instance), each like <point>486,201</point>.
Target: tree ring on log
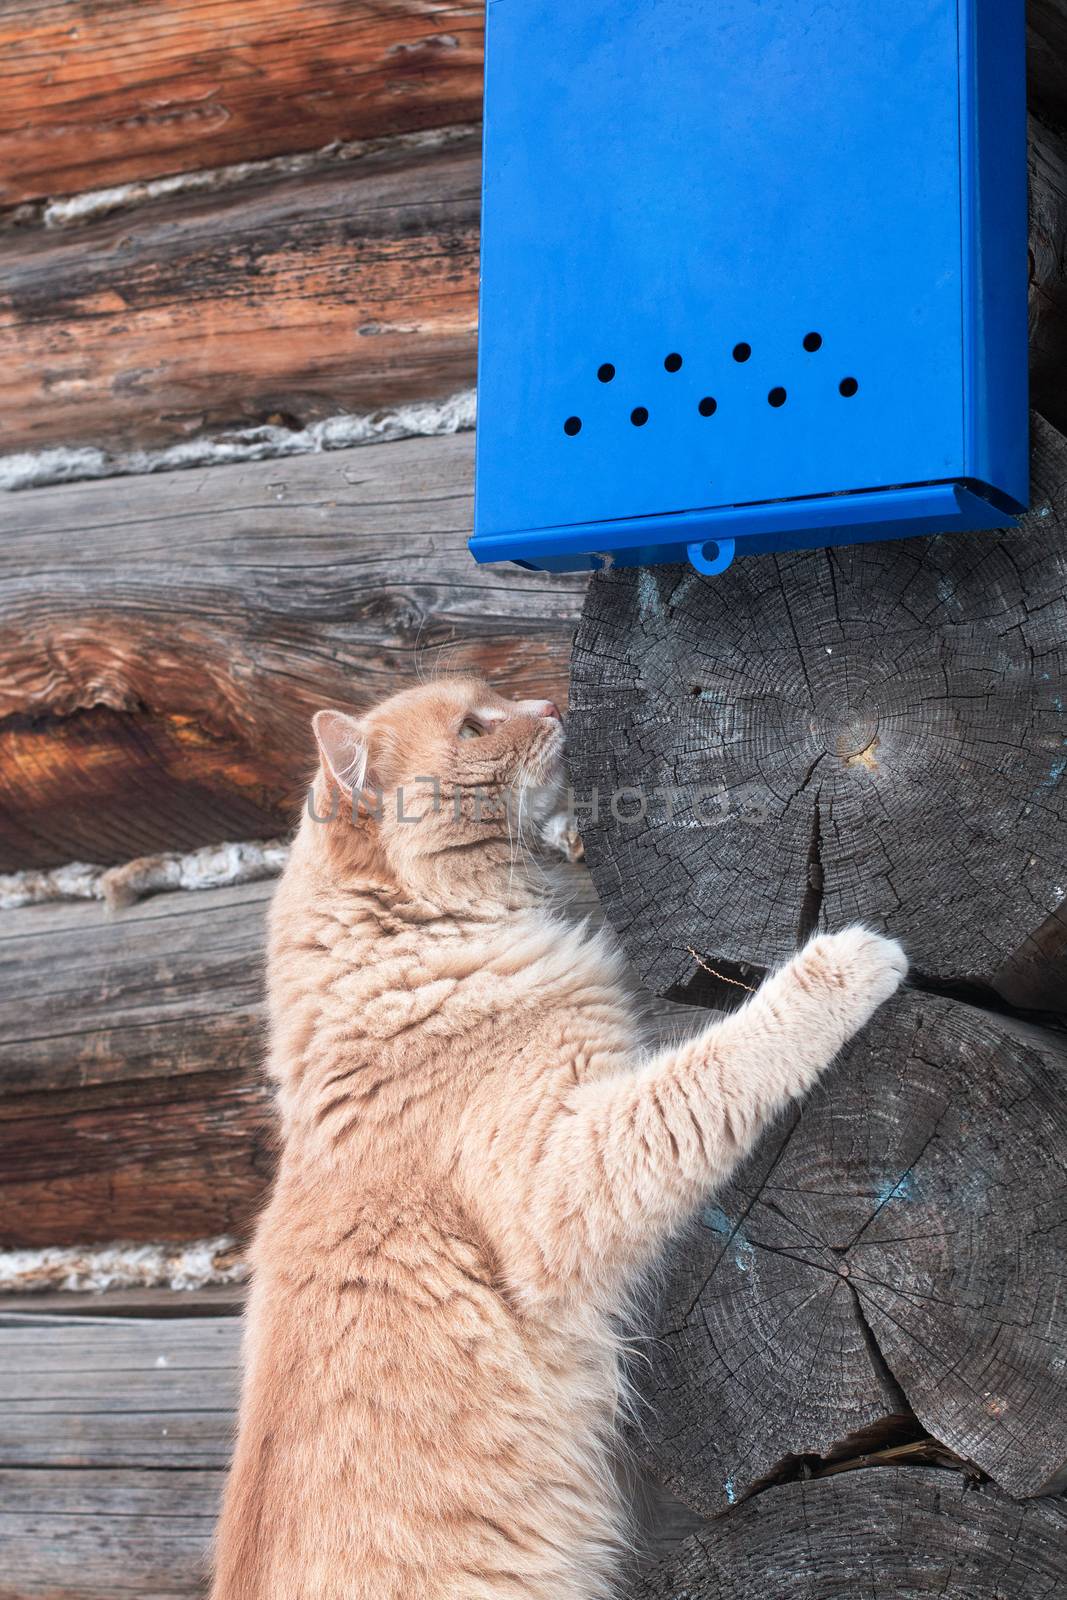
<point>884,1533</point>
<point>876,732</point>
<point>895,1251</point>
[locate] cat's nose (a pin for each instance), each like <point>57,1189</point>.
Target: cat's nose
<point>540,708</point>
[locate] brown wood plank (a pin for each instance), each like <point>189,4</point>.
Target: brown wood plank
<point>166,639</point>
<point>95,95</point>
<point>132,1105</point>
<point>215,1300</point>
<point>347,289</point>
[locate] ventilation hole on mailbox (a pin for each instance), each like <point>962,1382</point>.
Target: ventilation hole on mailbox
<point>848,387</point>
<point>742,351</point>
<point>606,372</point>
<point>813,341</point>
<point>639,416</point>
<point>672,362</point>
<point>708,406</point>
<point>776,397</point>
<point>572,426</point>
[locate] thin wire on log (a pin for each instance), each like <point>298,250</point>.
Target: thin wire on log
<point>720,975</point>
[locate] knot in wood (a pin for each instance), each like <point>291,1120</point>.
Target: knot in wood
<point>852,738</point>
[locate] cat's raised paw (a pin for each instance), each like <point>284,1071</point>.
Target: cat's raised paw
<point>854,965</point>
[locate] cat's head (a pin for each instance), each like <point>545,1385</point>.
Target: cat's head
<point>449,778</point>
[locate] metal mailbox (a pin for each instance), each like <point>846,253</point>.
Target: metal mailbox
<point>753,277</point>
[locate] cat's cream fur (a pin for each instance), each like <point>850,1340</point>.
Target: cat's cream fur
<point>478,1163</point>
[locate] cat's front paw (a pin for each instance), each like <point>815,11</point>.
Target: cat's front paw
<point>854,971</point>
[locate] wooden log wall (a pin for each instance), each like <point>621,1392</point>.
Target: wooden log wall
<point>229,233</point>
<point>160,677</point>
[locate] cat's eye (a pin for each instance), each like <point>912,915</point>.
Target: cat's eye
<point>470,728</point>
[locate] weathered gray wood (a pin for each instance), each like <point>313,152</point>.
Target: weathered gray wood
<point>881,734</point>
<point>105,1535</point>
<point>1048,270</point>
<point>166,639</point>
<point>114,1439</point>
<point>1046,57</point>
<point>118,1393</point>
<point>896,1246</point>
<point>883,1534</point>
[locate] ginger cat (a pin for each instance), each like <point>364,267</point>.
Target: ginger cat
<point>478,1165</point>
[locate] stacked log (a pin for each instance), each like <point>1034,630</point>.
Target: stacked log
<point>890,1533</point>
<point>887,1266</point>
<point>872,733</point>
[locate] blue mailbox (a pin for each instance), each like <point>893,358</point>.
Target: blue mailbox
<point>753,277</point>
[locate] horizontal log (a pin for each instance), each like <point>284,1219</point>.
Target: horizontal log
<point>347,289</point>
<point>110,1534</point>
<point>132,1099</point>
<point>874,733</point>
<point>216,1300</point>
<point>102,95</point>
<point>114,1439</point>
<point>894,1251</point>
<point>166,639</point>
<point>117,1393</point>
<point>885,1533</point>
<point>107,786</point>
<point>132,1103</point>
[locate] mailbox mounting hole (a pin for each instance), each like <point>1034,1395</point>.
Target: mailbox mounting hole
<point>639,416</point>
<point>776,396</point>
<point>848,387</point>
<point>672,362</point>
<point>742,351</point>
<point>572,426</point>
<point>812,341</point>
<point>605,372</point>
<point>708,406</point>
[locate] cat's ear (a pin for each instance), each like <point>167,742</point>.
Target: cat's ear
<point>343,750</point>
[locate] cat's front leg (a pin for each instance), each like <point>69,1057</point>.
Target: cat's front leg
<point>629,1158</point>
